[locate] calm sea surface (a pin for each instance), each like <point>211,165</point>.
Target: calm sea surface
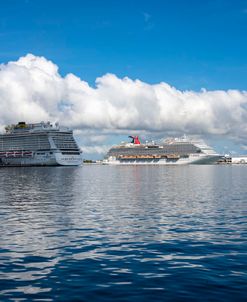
<point>102,233</point>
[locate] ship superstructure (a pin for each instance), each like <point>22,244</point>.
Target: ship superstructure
<point>177,151</point>
<point>39,144</point>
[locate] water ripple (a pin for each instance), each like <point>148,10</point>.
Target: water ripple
<point>123,233</point>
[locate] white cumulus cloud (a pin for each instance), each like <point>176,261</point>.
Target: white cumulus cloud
<point>32,89</point>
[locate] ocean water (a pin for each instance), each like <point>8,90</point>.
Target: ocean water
<point>124,233</point>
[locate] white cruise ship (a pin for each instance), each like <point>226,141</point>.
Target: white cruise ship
<point>40,144</point>
<point>175,151</point>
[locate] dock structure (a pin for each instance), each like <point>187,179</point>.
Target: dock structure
<point>235,160</point>
<point>240,159</point>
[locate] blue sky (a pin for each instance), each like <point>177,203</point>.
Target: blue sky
<point>188,44</point>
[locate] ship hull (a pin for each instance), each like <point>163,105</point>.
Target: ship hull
<point>44,160</point>
<point>192,159</point>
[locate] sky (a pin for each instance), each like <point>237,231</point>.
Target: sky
<point>109,69</point>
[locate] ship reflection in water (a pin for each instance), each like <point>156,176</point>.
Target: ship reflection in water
<point>125,233</point>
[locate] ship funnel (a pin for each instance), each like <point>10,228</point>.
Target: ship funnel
<point>135,140</point>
